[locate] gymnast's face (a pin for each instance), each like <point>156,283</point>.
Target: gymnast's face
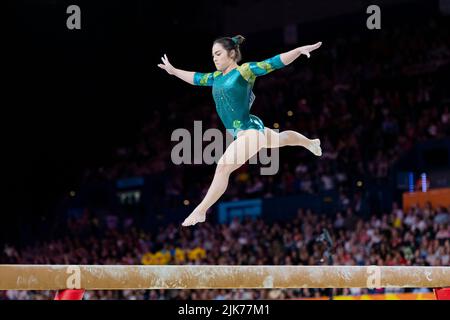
<point>221,57</point>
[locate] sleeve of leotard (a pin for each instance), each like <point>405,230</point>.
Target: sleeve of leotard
<point>203,79</point>
<point>251,70</point>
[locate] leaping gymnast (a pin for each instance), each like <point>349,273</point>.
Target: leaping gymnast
<point>232,92</point>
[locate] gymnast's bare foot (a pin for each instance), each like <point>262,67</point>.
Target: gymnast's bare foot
<point>315,148</point>
<point>196,216</point>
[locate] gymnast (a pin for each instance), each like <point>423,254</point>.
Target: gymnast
<point>232,86</point>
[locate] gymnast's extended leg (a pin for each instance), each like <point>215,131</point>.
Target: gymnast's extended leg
<point>291,138</point>
<point>246,145</point>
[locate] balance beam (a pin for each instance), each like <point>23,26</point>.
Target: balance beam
<point>119,277</point>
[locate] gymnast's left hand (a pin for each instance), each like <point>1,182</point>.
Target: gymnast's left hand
<point>307,49</point>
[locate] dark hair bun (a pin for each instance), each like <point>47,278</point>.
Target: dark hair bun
<point>239,39</point>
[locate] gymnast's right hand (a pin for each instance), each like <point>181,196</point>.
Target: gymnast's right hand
<point>166,65</point>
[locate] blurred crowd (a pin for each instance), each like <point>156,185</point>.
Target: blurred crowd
<point>413,237</point>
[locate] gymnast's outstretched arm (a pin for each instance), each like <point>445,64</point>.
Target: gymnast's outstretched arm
<point>251,70</point>
<point>290,56</point>
<point>187,76</point>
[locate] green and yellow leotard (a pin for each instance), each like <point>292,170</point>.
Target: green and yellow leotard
<point>233,94</point>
